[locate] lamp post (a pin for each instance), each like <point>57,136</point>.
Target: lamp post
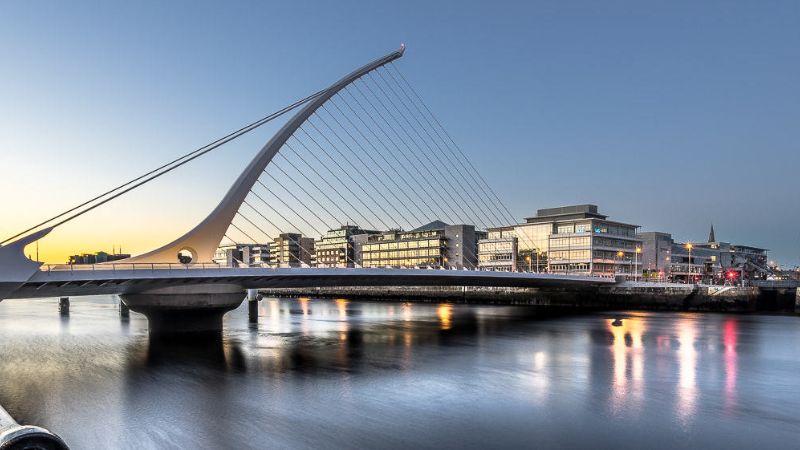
<point>689,247</point>
<point>636,263</point>
<point>537,261</point>
<point>528,258</point>
<point>620,254</point>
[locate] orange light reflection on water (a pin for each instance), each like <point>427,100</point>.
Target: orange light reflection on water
<point>445,312</point>
<point>628,351</point>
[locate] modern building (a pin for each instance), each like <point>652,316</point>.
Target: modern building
<point>436,244</point>
<point>337,248</point>
<point>238,255</point>
<point>96,258</point>
<point>709,262</point>
<point>291,250</point>
<point>500,250</point>
<point>656,254</point>
<point>569,239</point>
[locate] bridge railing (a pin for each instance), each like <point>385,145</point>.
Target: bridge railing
<point>130,266</point>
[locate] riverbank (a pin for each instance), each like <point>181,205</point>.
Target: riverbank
<point>626,295</point>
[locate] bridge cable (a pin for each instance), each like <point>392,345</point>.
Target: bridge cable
<point>379,204</point>
<point>156,173</point>
<point>451,145</point>
<point>460,191</point>
<point>376,150</point>
<point>489,213</point>
<point>460,218</point>
<point>456,146</point>
<point>400,150</point>
<point>279,229</point>
<point>348,176</point>
<point>391,191</point>
<point>334,203</point>
<point>408,180</point>
<point>316,172</point>
<point>420,161</point>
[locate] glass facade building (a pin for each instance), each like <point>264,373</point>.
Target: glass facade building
<point>568,240</point>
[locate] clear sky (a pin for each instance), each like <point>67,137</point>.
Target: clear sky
<point>670,115</point>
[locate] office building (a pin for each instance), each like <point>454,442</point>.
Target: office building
<point>242,255</point>
<point>569,240</point>
<point>436,244</point>
<point>338,248</point>
<point>291,250</point>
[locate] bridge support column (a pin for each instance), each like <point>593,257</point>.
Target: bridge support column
<point>185,310</point>
<point>124,311</point>
<point>63,306</point>
<point>252,305</point>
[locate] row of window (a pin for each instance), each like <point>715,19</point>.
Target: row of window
<point>400,254</point>
<point>495,257</point>
<point>502,246</point>
<point>566,242</point>
<point>408,262</point>
<point>569,254</point>
<point>403,244</point>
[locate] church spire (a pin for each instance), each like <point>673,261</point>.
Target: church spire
<point>711,237</point>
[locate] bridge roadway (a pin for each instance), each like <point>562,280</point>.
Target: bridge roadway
<point>99,279</point>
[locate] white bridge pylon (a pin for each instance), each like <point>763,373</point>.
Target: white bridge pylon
<point>204,239</point>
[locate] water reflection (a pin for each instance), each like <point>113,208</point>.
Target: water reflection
<point>687,369</point>
<point>730,337</point>
<point>348,374</point>
<point>445,313</point>
<point>628,353</point>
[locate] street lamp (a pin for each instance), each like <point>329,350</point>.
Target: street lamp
<point>528,258</point>
<point>636,263</point>
<point>689,247</point>
<point>620,254</point>
<point>537,261</point>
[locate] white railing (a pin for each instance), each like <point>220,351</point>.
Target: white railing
<point>130,266</point>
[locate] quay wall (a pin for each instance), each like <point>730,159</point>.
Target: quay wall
<point>645,296</point>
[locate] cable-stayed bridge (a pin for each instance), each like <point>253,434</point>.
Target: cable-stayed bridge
<point>367,150</point>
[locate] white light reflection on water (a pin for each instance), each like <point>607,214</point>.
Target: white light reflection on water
<point>686,404</point>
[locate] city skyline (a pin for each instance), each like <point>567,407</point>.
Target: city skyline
<point>685,117</point>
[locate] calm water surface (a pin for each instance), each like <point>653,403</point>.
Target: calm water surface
<point>339,374</point>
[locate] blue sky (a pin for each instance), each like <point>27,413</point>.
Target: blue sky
<point>670,115</point>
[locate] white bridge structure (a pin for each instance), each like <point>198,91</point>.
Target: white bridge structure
<point>375,130</point>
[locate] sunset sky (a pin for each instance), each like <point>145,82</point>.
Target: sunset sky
<point>670,115</point>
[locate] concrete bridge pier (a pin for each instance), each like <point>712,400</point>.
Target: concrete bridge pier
<point>14,436</point>
<point>124,311</point>
<point>63,306</point>
<point>193,309</point>
<point>252,305</point>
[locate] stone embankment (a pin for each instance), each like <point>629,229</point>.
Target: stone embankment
<point>625,295</point>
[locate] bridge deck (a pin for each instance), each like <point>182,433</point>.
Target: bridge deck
<point>106,280</point>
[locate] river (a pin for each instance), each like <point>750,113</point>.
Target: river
<point>344,374</point>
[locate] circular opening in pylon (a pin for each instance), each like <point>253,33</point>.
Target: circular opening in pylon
<point>185,256</point>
